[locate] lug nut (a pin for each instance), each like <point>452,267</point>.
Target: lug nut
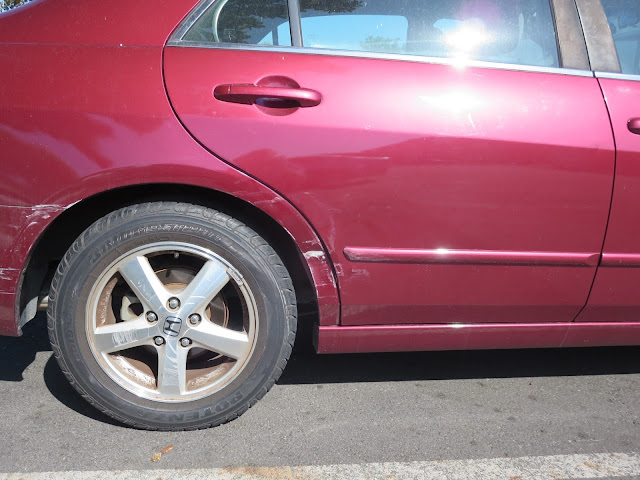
<point>158,341</point>
<point>194,319</point>
<point>174,303</point>
<point>152,317</point>
<point>185,342</point>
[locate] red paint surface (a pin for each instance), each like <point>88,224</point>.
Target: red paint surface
<point>403,155</point>
<point>396,338</point>
<point>73,22</point>
<point>616,291</point>
<point>82,119</point>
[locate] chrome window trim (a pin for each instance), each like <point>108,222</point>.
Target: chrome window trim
<point>618,76</point>
<point>383,56</point>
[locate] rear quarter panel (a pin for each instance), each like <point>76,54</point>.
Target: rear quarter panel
<point>86,112</point>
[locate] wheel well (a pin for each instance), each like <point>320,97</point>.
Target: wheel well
<point>59,236</point>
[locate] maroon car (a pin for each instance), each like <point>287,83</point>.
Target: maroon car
<point>185,185</point>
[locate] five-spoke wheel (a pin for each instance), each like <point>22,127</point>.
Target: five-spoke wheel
<point>173,341</point>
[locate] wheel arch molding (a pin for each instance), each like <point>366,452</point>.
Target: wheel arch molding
<point>270,214</point>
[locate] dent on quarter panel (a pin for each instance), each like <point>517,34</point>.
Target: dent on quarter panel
<point>7,277</point>
<point>20,227</point>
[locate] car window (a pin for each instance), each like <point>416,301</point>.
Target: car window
<point>243,21</point>
<point>624,20</point>
<point>506,31</point>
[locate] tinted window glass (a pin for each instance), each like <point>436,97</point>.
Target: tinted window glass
<point>262,22</point>
<point>624,20</point>
<point>507,31</point>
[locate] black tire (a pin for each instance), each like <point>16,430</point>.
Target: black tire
<point>257,303</point>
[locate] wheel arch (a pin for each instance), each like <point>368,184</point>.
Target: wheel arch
<point>309,267</point>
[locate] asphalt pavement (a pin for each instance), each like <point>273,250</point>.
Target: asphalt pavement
<point>382,412</point>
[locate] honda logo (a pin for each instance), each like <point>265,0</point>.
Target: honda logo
<point>172,326</point>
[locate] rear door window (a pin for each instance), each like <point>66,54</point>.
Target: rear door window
<point>504,31</point>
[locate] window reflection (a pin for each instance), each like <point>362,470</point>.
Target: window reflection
<point>507,31</point>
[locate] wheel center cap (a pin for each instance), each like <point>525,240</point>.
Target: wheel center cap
<point>172,326</point>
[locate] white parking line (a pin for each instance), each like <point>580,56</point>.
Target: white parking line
<point>555,467</point>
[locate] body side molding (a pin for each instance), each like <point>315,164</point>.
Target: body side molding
<point>477,257</point>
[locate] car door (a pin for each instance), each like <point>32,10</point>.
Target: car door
<point>614,48</point>
<point>457,164</point>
